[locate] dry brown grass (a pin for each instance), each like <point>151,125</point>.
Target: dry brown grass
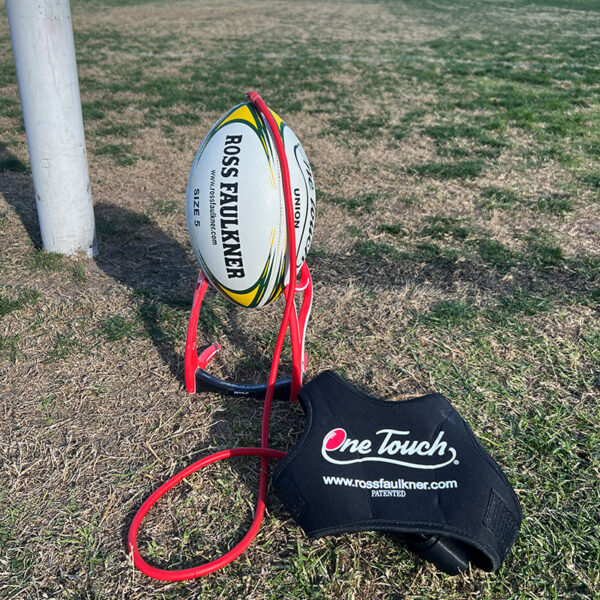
<point>93,410</point>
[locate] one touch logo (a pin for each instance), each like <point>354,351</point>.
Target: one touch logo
<point>392,444</point>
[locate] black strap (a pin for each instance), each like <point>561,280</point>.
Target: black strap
<point>412,467</point>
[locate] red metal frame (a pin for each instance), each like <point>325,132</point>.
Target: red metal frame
<point>197,379</point>
<point>194,363</point>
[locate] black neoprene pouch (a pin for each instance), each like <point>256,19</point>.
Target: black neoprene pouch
<point>410,467</point>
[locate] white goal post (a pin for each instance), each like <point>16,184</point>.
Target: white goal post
<point>42,39</point>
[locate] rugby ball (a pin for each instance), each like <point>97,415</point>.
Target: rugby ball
<point>235,206</point>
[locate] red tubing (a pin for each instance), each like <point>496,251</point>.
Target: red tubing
<point>191,353</point>
<point>290,290</point>
<point>264,452</point>
<point>199,571</point>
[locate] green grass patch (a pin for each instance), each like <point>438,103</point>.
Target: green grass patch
<point>364,128</point>
<point>359,203</point>
<point>521,301</point>
<point>185,119</point>
<point>394,229</point>
<point>10,108</point>
<point>438,170</point>
<point>587,267</point>
<point>117,328</point>
<point>12,163</point>
<point>448,313</point>
<point>435,255</point>
<point>373,249</point>
<point>120,153</point>
<point>163,323</point>
<point>592,298</point>
<point>583,5</point>
<point>499,198</point>
<point>557,204</point>
<point>496,254</point>
<point>41,260</point>
<point>9,347</point>
<point>167,207</point>
<point>24,298</point>
<point>439,226</point>
<point>494,123</point>
<point>593,148</point>
<point>93,111</point>
<point>456,152</point>
<point>452,131</point>
<point>65,344</point>
<point>124,130</point>
<point>409,200</point>
<point>544,253</point>
<point>79,274</point>
<point>444,137</point>
<point>592,180</point>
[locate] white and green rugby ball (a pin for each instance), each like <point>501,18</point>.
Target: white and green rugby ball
<point>236,209</point>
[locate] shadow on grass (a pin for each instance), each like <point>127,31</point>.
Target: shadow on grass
<point>161,273</point>
<point>16,185</point>
<point>540,274</point>
<point>134,251</point>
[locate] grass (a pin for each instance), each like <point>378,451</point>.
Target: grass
<point>544,253</point>
<point>9,345</point>
<point>25,297</point>
<point>13,164</point>
<point>358,203</point>
<point>495,254</point>
<point>449,313</point>
<point>65,344</point>
<point>41,260</point>
<point>439,226</point>
<point>120,153</point>
<point>366,128</point>
<point>499,198</point>
<point>167,207</point>
<point>117,328</point>
<point>443,170</point>
<point>555,205</point>
<point>456,250</point>
<point>521,301</point>
<point>79,274</point>
<point>394,229</point>
<point>372,249</point>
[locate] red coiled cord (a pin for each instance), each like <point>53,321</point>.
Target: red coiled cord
<point>264,452</point>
